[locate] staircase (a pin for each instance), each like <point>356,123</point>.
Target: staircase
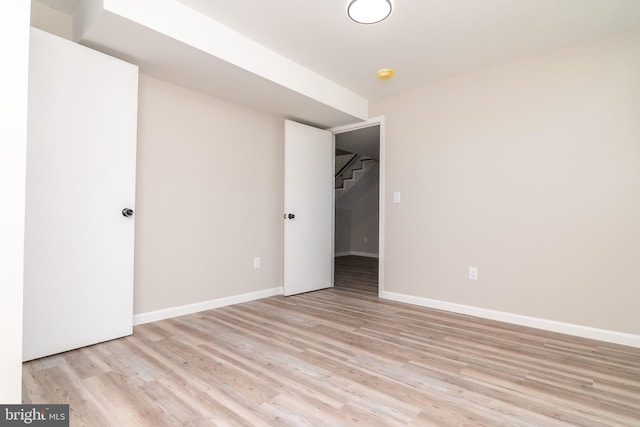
<point>351,173</point>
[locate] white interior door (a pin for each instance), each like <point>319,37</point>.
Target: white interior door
<point>308,207</point>
<point>78,282</point>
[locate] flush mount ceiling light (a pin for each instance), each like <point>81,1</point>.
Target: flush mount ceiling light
<point>369,11</point>
<point>385,73</point>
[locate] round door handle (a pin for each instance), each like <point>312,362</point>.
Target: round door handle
<point>126,212</point>
<point>291,216</point>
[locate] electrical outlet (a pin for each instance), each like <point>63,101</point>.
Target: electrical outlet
<point>473,273</point>
<point>365,239</point>
<point>256,262</point>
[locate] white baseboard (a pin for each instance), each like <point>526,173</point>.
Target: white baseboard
<point>517,319</point>
<point>356,253</point>
<point>170,312</point>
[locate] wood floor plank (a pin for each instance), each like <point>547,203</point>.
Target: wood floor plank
<point>341,357</point>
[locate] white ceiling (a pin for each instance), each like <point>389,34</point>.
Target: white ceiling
<point>423,40</point>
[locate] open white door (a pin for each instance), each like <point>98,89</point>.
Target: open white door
<point>308,207</point>
<point>81,160</point>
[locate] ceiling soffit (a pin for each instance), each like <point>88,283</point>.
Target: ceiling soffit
<point>195,51</point>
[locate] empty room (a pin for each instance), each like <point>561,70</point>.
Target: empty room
<point>320,213</point>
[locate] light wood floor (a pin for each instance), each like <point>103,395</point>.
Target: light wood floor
<point>340,357</point>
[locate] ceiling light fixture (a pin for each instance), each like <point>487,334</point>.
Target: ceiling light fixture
<point>369,11</point>
<point>385,73</point>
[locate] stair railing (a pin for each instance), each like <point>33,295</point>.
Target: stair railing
<point>345,167</point>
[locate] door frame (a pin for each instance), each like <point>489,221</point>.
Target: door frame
<point>373,121</point>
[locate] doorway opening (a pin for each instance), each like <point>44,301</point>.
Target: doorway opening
<point>357,223</point>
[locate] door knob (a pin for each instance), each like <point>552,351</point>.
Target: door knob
<point>291,216</point>
<point>126,212</point>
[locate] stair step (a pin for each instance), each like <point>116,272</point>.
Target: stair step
<point>355,174</point>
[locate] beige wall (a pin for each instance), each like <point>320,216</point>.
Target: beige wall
<point>209,198</point>
<point>529,171</point>
<point>364,213</point>
<point>357,216</point>
<point>342,230</point>
<point>51,20</point>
